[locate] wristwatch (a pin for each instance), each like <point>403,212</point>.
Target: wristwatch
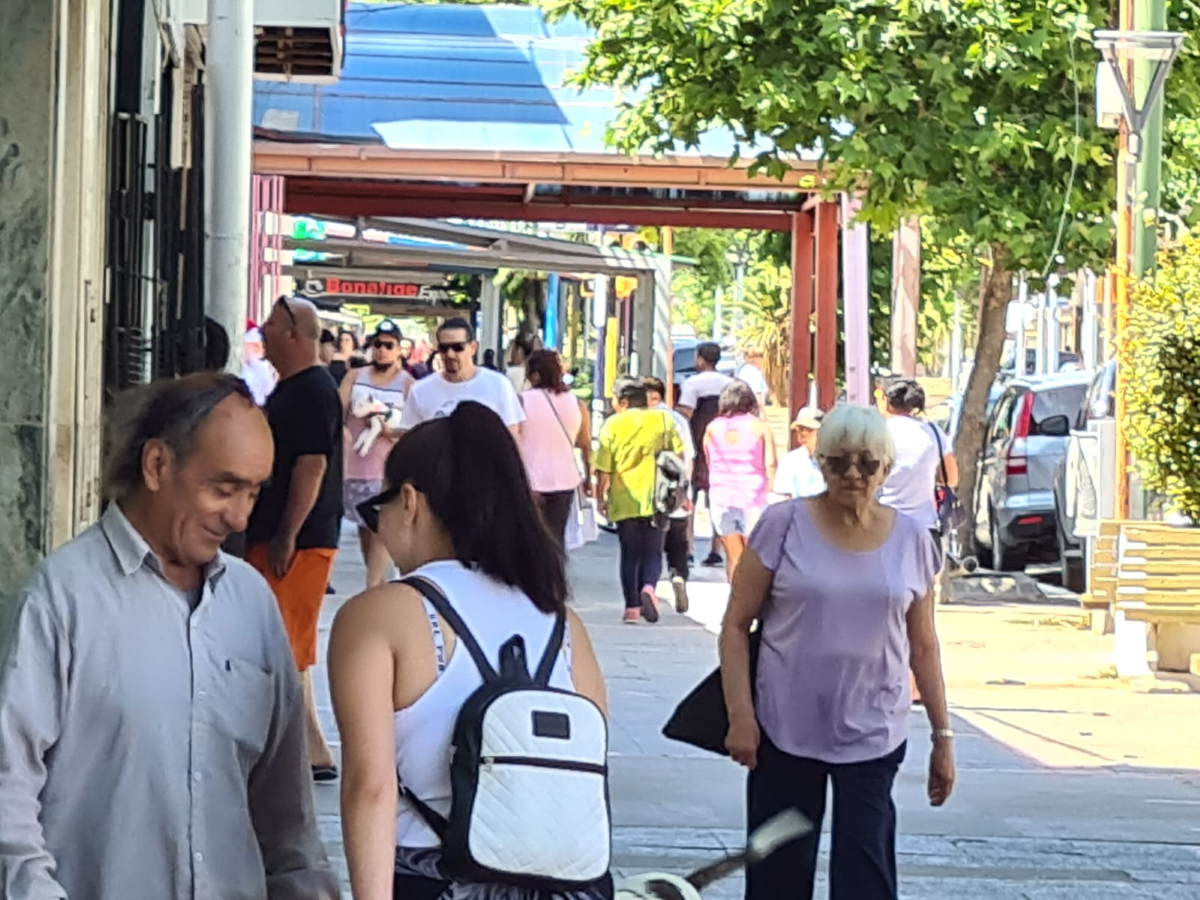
<point>943,734</point>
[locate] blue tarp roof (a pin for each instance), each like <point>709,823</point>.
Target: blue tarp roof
<point>454,78</point>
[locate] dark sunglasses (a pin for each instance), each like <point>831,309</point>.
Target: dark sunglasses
<point>385,345</point>
<point>458,347</point>
<point>368,510</point>
<point>840,465</point>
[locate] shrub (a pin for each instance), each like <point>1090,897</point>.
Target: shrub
<point>1160,378</point>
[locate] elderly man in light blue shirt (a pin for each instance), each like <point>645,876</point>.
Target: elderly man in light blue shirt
<point>798,474</point>
<point>151,719</point>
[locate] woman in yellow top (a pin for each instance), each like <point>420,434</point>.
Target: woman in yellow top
<point>626,467</point>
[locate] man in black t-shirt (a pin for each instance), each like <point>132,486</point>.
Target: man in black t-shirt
<point>294,529</point>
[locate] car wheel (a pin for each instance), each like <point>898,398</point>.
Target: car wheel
<point>1004,557</point>
<point>1071,566</point>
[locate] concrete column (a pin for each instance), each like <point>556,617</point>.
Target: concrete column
<point>54,62</point>
<point>906,296</point>
<point>228,150</point>
<point>826,289</point>
<point>802,309</point>
<point>856,280</point>
<point>642,343</point>
<point>661,365</point>
<point>489,315</point>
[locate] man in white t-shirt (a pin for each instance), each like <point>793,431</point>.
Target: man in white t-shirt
<point>460,379</point>
<point>698,402</point>
<point>751,374</point>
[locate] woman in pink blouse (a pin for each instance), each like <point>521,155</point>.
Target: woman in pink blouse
<point>556,424</point>
<point>741,468</point>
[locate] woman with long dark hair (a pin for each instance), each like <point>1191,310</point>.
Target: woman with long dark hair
<point>458,511</point>
<point>740,450</point>
<point>556,424</point>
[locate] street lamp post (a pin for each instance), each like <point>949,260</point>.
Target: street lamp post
<point>739,258</point>
<point>1121,51</point>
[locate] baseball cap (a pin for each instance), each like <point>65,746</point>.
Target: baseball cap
<point>808,417</point>
<point>387,328</point>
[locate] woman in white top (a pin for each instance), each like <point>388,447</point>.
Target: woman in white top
<point>397,674</point>
<point>922,451</point>
<point>556,424</point>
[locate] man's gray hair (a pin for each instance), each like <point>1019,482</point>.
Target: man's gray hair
<point>856,429</point>
<point>171,411</point>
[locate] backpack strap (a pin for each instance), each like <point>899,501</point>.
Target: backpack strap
<point>437,823</point>
<point>550,657</point>
<point>937,437</point>
<point>434,595</point>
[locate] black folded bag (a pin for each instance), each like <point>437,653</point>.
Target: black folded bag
<point>701,718</point>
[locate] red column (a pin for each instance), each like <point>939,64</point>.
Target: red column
<point>802,306</point>
<point>826,281</point>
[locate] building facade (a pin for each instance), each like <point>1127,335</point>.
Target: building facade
<point>102,229</point>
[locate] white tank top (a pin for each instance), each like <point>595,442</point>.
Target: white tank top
<point>493,612</point>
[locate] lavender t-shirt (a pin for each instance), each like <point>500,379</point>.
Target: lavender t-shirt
<point>833,672</point>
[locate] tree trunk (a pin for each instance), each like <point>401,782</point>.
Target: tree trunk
<point>995,294</point>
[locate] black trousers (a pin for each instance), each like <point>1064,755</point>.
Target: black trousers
<point>641,542</point>
<point>556,508</point>
<point>863,861</point>
<point>677,548</point>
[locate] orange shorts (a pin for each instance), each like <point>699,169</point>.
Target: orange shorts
<point>299,594</point>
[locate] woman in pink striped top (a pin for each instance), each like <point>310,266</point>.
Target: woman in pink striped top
<point>741,468</point>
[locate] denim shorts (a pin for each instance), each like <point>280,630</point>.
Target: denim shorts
<point>735,519</point>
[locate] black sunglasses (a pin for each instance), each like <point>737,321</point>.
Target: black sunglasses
<point>368,510</point>
<point>840,465</point>
<point>457,347</point>
<point>385,345</point>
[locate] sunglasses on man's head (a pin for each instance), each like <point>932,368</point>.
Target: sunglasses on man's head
<point>368,510</point>
<point>283,304</point>
<point>456,347</point>
<point>385,345</point>
<point>840,465</point>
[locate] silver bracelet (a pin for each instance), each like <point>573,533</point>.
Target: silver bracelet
<point>943,734</point>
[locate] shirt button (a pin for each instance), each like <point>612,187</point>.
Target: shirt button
<point>199,856</point>
<point>200,695</point>
<point>197,777</point>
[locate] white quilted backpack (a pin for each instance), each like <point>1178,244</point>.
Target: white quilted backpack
<point>528,772</point>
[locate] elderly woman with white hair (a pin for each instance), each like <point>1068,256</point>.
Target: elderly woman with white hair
<point>842,588</point>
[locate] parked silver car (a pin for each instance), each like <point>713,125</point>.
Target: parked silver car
<point>1025,439</point>
<point>1076,488</point>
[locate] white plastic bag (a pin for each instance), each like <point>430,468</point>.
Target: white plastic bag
<point>581,523</point>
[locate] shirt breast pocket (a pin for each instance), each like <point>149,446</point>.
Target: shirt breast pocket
<point>243,707</point>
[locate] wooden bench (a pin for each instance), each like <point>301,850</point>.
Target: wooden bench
<point>1102,578</point>
<point>1150,571</point>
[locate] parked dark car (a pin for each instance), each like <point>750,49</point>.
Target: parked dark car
<point>1025,441</point>
<point>1098,403</point>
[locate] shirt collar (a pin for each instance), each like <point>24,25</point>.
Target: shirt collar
<point>132,551</point>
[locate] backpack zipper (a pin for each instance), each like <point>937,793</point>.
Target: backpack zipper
<point>535,763</point>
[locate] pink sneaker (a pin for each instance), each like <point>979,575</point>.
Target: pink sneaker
<point>633,615</point>
<point>649,604</point>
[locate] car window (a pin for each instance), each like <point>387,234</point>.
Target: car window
<point>1062,401</point>
<point>685,359</point>
<point>1002,418</point>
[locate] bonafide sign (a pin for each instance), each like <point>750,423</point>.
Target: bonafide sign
<point>345,287</point>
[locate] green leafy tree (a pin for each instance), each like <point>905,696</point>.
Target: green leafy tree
<point>976,114</point>
<point>1160,359</point>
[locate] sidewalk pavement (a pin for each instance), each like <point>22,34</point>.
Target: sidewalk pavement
<point>1044,809</point>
